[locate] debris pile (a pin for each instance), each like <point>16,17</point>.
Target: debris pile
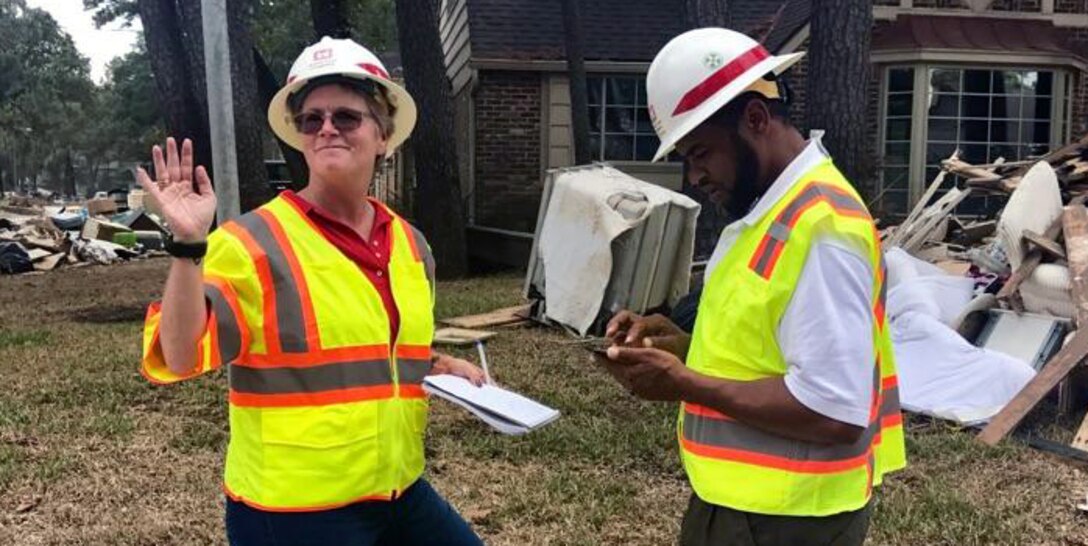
<point>1014,288</point>
<point>39,235</point>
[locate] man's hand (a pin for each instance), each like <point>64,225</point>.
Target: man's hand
<point>652,374</point>
<point>655,331</point>
<point>446,364</point>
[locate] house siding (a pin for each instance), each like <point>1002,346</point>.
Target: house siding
<point>453,31</point>
<point>1079,40</point>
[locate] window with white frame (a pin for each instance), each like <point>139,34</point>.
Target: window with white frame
<point>899,107</point>
<point>1014,113</point>
<point>619,124</point>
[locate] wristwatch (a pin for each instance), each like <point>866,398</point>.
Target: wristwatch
<point>192,251</point>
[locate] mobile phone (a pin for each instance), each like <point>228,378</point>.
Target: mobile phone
<point>597,348</point>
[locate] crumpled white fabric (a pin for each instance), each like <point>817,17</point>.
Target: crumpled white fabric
<point>575,240</point>
<point>940,373</point>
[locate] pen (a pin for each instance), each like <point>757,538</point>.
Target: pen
<point>483,362</point>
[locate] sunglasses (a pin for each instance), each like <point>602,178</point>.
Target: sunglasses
<point>343,119</point>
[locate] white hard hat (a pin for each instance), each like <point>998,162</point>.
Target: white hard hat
<point>341,57</point>
<point>697,73</point>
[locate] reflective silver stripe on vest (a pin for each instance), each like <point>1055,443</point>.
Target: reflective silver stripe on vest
<point>775,238</point>
<point>411,371</point>
<point>424,251</point>
<point>838,199</point>
<point>779,232</point>
<point>780,229</point>
<point>226,324</point>
<point>310,379</point>
<point>729,434</point>
<point>890,404</point>
<point>292,329</point>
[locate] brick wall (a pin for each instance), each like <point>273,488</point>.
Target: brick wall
<point>508,118</point>
<point>1078,40</point>
<point>1071,6</point>
<point>1080,106</point>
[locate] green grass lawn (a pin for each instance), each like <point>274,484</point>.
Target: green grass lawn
<point>90,453</point>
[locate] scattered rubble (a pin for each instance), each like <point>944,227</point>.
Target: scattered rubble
<point>1031,261</point>
<point>38,235</point>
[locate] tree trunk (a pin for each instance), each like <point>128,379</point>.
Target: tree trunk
<point>838,78</point>
<point>330,18</point>
<point>249,117</point>
<point>711,221</point>
<point>438,206</point>
<point>181,110</point>
<point>92,174</point>
<point>253,188</point>
<point>579,96</point>
<point>69,187</point>
<point>191,28</point>
<point>267,86</point>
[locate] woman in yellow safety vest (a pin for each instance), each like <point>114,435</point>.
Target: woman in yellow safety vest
<point>321,303</point>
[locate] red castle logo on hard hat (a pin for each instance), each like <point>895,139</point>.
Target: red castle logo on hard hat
<point>323,54</point>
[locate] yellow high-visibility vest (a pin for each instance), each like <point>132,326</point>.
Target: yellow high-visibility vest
<point>738,466</point>
<point>325,408</point>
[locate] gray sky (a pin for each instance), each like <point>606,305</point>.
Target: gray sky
<point>99,45</point>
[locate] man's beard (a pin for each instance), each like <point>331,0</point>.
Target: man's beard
<point>746,186</point>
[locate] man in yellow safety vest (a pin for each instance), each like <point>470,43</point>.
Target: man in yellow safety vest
<point>789,410</point>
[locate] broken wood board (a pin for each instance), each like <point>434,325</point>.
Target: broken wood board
<point>461,336</point>
<point>956,165</point>
<point>975,232</point>
<point>36,254</point>
<point>53,245</point>
<point>49,263</point>
<point>1057,156</point>
<point>996,185</point>
<point>904,228</point>
<point>933,218</point>
<point>1080,439</point>
<point>498,317</point>
<point>1075,228</point>
<point>1079,172</point>
<point>1045,244</point>
<point>1052,373</point>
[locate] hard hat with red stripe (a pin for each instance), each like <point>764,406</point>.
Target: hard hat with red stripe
<point>699,72</point>
<point>342,57</point>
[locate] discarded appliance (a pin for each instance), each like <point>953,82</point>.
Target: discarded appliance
<point>1026,337</point>
<point>607,241</point>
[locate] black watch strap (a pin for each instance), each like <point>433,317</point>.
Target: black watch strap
<point>178,249</point>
